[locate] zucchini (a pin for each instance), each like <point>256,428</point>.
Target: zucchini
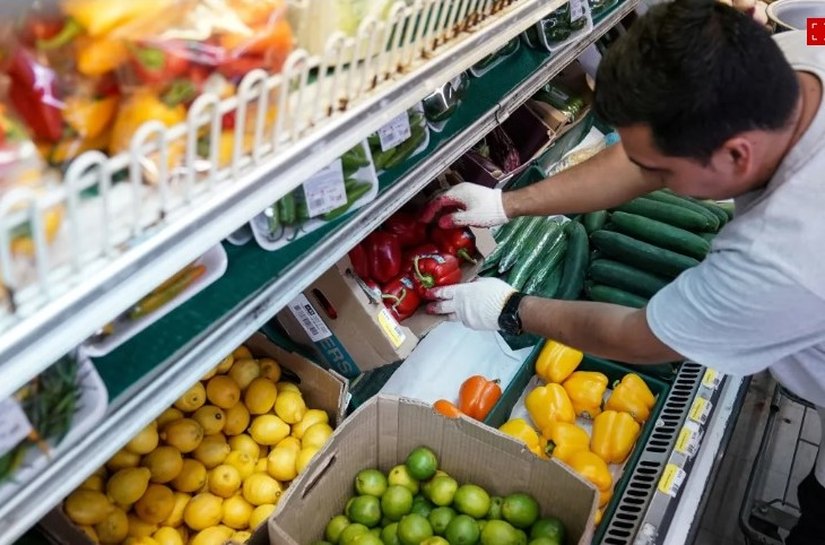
<point>642,255</point>
<point>672,214</point>
<point>575,262</point>
<point>661,234</point>
<point>593,221</point>
<point>630,279</point>
<point>550,261</point>
<point>669,197</point>
<point>608,294</point>
<point>519,243</point>
<point>551,234</point>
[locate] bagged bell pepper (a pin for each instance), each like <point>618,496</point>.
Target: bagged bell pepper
<point>548,404</point>
<point>383,255</point>
<point>435,270</point>
<point>401,297</point>
<point>409,256</point>
<point>141,107</point>
<point>477,396</point>
<point>633,396</point>
<point>100,17</point>
<point>524,432</point>
<point>565,439</point>
<point>586,390</point>
<point>407,228</point>
<point>34,94</point>
<point>360,261</point>
<point>595,470</point>
<point>556,361</point>
<point>459,242</point>
<point>614,434</point>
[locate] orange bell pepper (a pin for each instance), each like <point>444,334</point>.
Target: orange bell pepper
<point>556,361</point>
<point>565,439</point>
<point>614,435</point>
<point>447,408</point>
<point>633,396</point>
<point>477,396</point>
<point>548,404</point>
<point>586,390</point>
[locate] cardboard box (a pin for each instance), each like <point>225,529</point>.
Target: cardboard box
<point>348,331</point>
<point>321,389</point>
<point>383,431</point>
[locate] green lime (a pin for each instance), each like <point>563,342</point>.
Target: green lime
<point>413,529</point>
<point>521,510</point>
<point>522,537</point>
<point>400,476</point>
<point>396,502</point>
<point>472,500</point>
<point>463,530</point>
<point>376,532</point>
<point>322,543</point>
<point>389,535</point>
<point>351,532</point>
<point>481,524</point>
<point>367,539</point>
<point>544,541</point>
<point>422,463</point>
<point>422,506</point>
<point>334,528</point>
<point>435,540</point>
<point>365,510</point>
<point>439,518</point>
<point>442,490</point>
<point>495,508</point>
<point>549,527</point>
<point>426,485</point>
<point>370,482</point>
<point>499,532</point>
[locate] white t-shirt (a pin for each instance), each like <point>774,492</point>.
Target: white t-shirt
<point>758,299</point>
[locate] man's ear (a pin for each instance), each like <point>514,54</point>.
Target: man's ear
<point>738,155</point>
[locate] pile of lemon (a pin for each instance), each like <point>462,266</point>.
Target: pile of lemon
<point>209,469</point>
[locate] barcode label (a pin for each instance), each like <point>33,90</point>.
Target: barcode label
<point>306,315</point>
<point>672,479</point>
<point>712,379</point>
<point>689,440</point>
<point>325,190</point>
<point>14,425</point>
<point>391,328</point>
<point>576,9</point>
<point>700,410</point>
<point>395,132</point>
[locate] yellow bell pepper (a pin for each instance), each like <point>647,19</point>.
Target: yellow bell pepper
<point>100,17</point>
<point>141,107</point>
<point>547,404</point>
<point>595,470</point>
<point>23,244</point>
<point>565,439</point>
<point>556,361</point>
<point>632,396</point>
<point>518,428</point>
<point>598,518</point>
<point>586,390</point>
<point>614,435</point>
<point>99,56</point>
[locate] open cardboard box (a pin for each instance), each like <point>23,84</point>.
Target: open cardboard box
<point>574,79</point>
<point>321,389</point>
<point>384,430</point>
<point>350,332</point>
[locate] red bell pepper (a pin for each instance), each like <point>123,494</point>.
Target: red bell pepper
<point>154,65</point>
<point>360,261</point>
<point>410,255</point>
<point>384,256</point>
<point>33,93</point>
<point>459,242</point>
<point>436,270</point>
<point>401,297</point>
<point>407,228</point>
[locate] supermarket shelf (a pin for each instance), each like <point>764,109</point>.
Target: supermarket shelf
<point>170,364</point>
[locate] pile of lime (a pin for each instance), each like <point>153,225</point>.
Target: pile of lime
<point>418,504</point>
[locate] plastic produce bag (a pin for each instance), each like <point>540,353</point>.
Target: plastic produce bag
<point>316,20</point>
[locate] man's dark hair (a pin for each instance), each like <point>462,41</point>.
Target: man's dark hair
<point>697,72</point>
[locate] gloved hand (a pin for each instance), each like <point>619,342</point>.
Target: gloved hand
<point>481,207</point>
<point>476,304</point>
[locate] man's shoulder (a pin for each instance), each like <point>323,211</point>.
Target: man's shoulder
<point>794,45</point>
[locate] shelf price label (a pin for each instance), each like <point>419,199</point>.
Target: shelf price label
<point>325,190</point>
<point>712,379</point>
<point>14,426</point>
<point>700,410</point>
<point>689,440</point>
<point>312,324</point>
<point>395,132</point>
<point>391,328</point>
<point>672,479</point>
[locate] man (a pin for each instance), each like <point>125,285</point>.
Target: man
<point>707,104</point>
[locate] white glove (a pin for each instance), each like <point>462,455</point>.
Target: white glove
<point>481,207</point>
<point>476,304</point>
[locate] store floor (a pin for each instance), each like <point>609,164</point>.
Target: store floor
<point>789,456</point>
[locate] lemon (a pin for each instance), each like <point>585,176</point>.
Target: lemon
<point>236,512</point>
<point>241,537</point>
<point>127,485</point>
<point>260,488</point>
<point>144,442</point>
<point>260,514</point>
<point>311,417</point>
<point>291,443</point>
<point>212,451</point>
<point>167,416</point>
<point>244,371</point>
<point>223,391</point>
<point>101,472</point>
<point>165,463</point>
<point>94,482</point>
<point>167,536</point>
<point>203,511</point>
<point>225,365</point>
<point>224,480</point>
<point>281,463</point>
<point>114,528</point>
<point>87,507</point>
<point>304,458</point>
<point>183,530</point>
<point>175,518</point>
<point>90,532</point>
<point>192,399</point>
<point>184,434</point>
<point>287,387</point>
<point>316,436</point>
<point>290,407</point>
<point>241,352</point>
<point>192,476</point>
<point>261,466</point>
<point>241,461</point>
<point>212,536</point>
<point>268,429</point>
<point>270,369</point>
<point>156,504</point>
<point>209,374</point>
<point>260,395</point>
<point>123,459</point>
<point>211,418</point>
<point>245,443</point>
<point>143,540</point>
<point>140,528</point>
<point>237,419</point>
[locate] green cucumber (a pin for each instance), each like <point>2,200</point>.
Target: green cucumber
<point>550,261</point>
<point>503,237</point>
<point>551,234</point>
<point>615,296</point>
<point>550,287</point>
<point>714,208</point>
<point>669,197</point>
<point>618,275</point>
<point>519,244</point>
<point>661,234</point>
<point>642,255</point>
<point>727,208</point>
<point>575,262</point>
<point>708,236</point>
<point>672,214</point>
<point>593,221</point>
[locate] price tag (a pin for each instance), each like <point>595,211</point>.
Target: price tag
<point>395,132</point>
<point>576,9</point>
<point>672,479</point>
<point>14,425</point>
<point>700,410</point>
<point>325,191</point>
<point>391,328</point>
<point>712,379</point>
<point>306,315</point>
<point>689,440</point>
